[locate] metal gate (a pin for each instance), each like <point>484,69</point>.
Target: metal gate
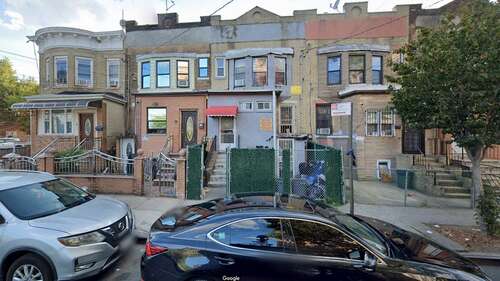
<point>160,175</point>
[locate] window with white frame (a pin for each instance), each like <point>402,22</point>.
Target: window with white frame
<point>58,121</point>
<point>113,66</point>
<point>239,73</point>
<point>263,106</point>
<point>356,69</point>
<point>47,72</point>
<point>287,120</point>
<point>246,106</point>
<point>220,64</point>
<point>334,70</point>
<point>377,70</point>
<point>280,71</point>
<point>380,122</point>
<point>61,70</point>
<point>83,71</point>
<point>163,74</point>
<point>203,68</point>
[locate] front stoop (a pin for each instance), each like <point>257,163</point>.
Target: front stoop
<point>217,182</point>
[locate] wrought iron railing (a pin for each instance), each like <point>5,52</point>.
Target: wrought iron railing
<point>94,162</point>
<point>18,162</point>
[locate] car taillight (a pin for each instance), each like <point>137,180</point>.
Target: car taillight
<point>152,250</point>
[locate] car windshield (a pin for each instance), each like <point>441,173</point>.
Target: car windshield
<point>364,232</point>
<point>43,199</point>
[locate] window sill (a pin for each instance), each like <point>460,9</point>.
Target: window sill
<point>203,78</point>
<point>220,77</point>
<point>156,134</point>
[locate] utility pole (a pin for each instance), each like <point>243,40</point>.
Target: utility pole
<point>351,158</point>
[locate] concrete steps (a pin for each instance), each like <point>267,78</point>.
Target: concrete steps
<point>218,176</point>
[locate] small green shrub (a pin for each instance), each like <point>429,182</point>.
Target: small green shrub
<point>488,210</point>
<point>69,152</point>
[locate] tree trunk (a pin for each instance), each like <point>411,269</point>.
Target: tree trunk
<point>475,155</point>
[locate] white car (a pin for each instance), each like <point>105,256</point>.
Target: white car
<point>9,143</point>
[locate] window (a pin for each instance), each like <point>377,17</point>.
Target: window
<point>356,69</point>
<point>280,71</point>
<point>259,67</point>
<point>47,72</point>
<point>157,120</point>
<point>364,232</point>
<point>286,119</point>
<point>333,75</point>
<point>113,73</point>
<point>261,234</point>
<point>145,75</point>
<point>183,74</point>
<point>57,121</point>
<point>163,74</point>
<point>317,239</point>
<point>83,72</point>
<point>323,119</point>
<point>380,122</point>
<point>246,106</point>
<point>239,73</point>
<point>221,67</point>
<point>377,75</point>
<point>263,105</point>
<point>61,70</point>
<point>203,68</point>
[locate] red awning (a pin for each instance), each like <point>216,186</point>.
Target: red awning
<point>222,111</point>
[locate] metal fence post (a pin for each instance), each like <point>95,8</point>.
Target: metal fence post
<point>406,186</point>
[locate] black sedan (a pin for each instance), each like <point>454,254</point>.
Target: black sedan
<point>270,237</point>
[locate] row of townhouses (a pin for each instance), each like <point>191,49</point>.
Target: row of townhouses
<point>162,87</point>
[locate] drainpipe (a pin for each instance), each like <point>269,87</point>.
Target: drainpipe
<point>275,140</point>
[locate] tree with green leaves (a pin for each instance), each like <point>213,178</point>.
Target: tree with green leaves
<point>12,90</point>
<point>450,79</point>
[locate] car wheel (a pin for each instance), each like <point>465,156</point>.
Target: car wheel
<point>29,267</point>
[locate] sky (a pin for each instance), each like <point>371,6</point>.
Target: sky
<point>20,18</point>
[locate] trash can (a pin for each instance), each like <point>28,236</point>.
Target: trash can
<point>401,179</point>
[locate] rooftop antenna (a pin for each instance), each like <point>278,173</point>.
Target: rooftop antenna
<point>122,21</point>
<point>167,7</point>
<point>335,6</point>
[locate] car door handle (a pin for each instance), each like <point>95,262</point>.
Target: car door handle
<point>224,261</point>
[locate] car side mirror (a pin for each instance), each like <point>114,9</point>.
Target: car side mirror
<point>2,220</point>
<point>370,261</point>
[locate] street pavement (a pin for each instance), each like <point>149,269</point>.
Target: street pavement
<point>147,210</point>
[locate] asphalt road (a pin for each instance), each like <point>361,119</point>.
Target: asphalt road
<point>128,268</point>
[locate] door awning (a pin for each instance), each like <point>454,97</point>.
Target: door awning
<point>216,111</point>
<point>52,104</point>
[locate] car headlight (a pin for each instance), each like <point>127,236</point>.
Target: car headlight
<point>82,239</point>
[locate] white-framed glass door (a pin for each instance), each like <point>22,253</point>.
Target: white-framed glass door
<point>227,133</point>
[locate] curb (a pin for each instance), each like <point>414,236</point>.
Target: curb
<point>481,255</point>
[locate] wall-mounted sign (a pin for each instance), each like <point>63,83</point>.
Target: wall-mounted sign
<point>296,90</point>
<point>266,124</point>
<point>341,109</point>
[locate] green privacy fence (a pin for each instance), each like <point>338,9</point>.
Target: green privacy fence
<point>251,170</point>
<point>194,172</point>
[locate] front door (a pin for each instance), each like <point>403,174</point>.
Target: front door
<point>87,127</point>
<point>413,141</point>
<point>227,133</point>
<point>188,128</point>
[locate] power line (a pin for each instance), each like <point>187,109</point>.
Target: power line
<point>16,54</point>
<point>437,2</point>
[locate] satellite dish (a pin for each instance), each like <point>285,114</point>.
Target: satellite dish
<point>335,5</point>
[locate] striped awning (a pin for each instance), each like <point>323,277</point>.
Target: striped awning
<point>52,104</point>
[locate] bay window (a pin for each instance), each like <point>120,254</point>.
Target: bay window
<point>83,72</point>
<point>145,75</point>
<point>58,121</point>
<point>259,68</point>
<point>163,74</point>
<point>61,70</point>
<point>221,67</point>
<point>333,70</point>
<point>203,68</point>
<point>377,75</point>
<point>356,69</point>
<point>183,74</point>
<point>239,73</point>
